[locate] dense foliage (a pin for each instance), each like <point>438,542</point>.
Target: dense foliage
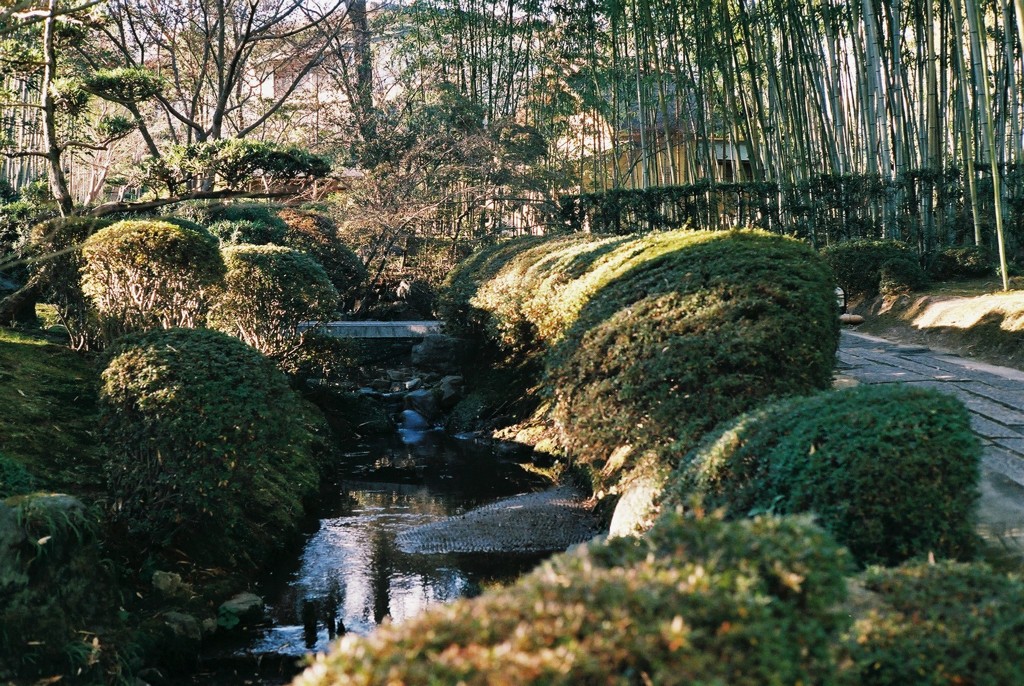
<point>245,231</point>
<point>939,625</point>
<point>268,291</point>
<point>145,274</point>
<point>890,470</point>
<point>263,215</point>
<point>965,261</point>
<point>901,275</point>
<point>208,453</point>
<point>697,601</point>
<point>53,584</point>
<point>56,265</point>
<point>694,329</point>
<point>857,264</point>
<point>522,295</point>
<point>649,341</point>
<point>317,235</point>
<point>231,162</point>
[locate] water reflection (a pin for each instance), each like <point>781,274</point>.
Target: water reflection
<point>351,576</point>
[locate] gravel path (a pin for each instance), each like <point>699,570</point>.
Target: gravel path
<point>547,521</point>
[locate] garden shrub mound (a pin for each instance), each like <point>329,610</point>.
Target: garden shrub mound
<point>901,275</point>
<point>55,591</point>
<point>857,264</point>
<point>695,328</point>
<point>268,291</point>
<point>517,295</point>
<point>749,603</point>
<point>963,262</point>
<point>208,450</point>
<point>938,625</point>
<point>890,470</point>
<point>146,274</point>
<point>238,231</point>
<point>317,235</point>
<point>208,213</point>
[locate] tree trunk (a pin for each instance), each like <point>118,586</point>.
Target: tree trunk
<point>51,148</point>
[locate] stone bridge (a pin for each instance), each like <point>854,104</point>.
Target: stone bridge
<point>370,329</point>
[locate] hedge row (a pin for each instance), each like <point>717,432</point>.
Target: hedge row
<point>650,341</point>
<point>938,625</point>
<point>646,344</point>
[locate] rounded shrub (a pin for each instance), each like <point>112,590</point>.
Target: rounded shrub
<point>901,275</point>
<point>56,265</point>
<point>938,625</point>
<point>963,262</point>
<point>693,329</point>
<point>523,295</point>
<point>268,291</point>
<point>205,213</point>
<point>144,274</point>
<point>890,470</point>
<point>208,453</point>
<point>318,235</point>
<point>857,264</point>
<point>238,231</point>
<point>698,601</point>
<point>183,223</point>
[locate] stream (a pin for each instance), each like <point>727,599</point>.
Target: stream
<point>351,576</point>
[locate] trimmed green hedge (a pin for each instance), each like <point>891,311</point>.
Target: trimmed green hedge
<point>522,295</point>
<point>648,342</point>
<point>890,470</point>
<point>939,625</point>
<point>857,264</point>
<point>241,231</point>
<point>697,601</point>
<point>963,262</point>
<point>208,450</point>
<point>317,235</point>
<point>268,292</point>
<point>693,329</point>
<point>147,274</point>
<point>901,275</point>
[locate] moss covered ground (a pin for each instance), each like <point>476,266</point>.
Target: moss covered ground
<point>48,422</point>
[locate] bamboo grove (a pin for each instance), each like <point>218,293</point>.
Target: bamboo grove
<point>899,119</point>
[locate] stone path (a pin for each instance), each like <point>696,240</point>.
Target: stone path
<point>995,398</point>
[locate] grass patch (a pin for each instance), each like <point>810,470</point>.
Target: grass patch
<point>50,413</point>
